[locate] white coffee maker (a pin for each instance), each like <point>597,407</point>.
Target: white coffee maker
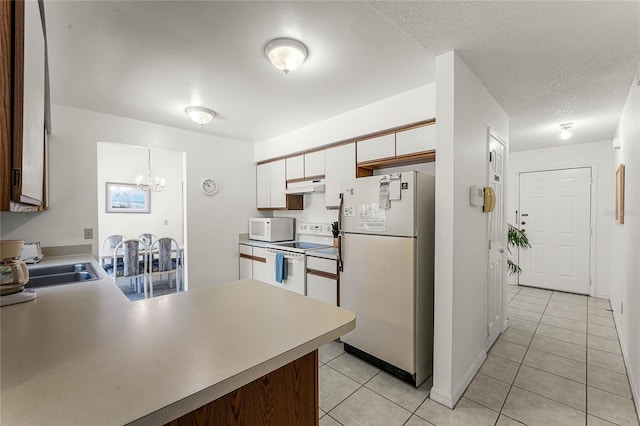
<point>13,274</point>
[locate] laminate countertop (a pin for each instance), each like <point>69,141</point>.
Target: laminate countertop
<point>83,354</point>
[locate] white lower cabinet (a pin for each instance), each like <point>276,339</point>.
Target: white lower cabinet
<point>322,279</point>
<point>253,263</point>
<point>261,270</point>
<point>246,261</point>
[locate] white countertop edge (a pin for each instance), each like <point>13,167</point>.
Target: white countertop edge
<point>197,400</point>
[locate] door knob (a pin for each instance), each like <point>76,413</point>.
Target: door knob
<point>501,249</point>
<point>523,223</point>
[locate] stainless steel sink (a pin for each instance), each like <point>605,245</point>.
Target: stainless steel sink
<point>61,274</point>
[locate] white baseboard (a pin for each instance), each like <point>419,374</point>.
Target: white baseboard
<point>635,391</point>
<point>451,399</point>
<point>441,398</point>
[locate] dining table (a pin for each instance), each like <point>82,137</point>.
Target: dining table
<point>107,253</point>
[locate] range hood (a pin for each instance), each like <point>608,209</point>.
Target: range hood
<point>305,187</point>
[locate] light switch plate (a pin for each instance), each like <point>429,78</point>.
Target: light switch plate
<point>88,233</point>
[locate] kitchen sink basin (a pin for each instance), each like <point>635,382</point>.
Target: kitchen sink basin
<point>61,274</point>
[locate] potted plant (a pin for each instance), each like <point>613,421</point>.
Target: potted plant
<point>516,238</point>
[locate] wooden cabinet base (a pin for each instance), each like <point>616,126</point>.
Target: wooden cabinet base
<point>286,396</point>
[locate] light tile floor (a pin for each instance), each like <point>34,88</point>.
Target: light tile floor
<point>559,363</point>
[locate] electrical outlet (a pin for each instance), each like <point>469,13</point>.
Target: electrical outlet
<point>88,233</point>
<point>166,221</point>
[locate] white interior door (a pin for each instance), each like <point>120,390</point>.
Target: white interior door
<point>555,212</point>
<point>497,238</point>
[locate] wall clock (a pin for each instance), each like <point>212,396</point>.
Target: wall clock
<point>209,186</point>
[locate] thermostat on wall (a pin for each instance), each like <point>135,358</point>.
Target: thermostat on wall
<point>476,196</point>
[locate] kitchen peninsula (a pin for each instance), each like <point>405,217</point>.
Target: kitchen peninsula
<point>84,354</point>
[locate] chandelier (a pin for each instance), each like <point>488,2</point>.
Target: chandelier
<point>155,185</point>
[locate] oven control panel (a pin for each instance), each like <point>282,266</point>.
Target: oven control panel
<point>321,229</point>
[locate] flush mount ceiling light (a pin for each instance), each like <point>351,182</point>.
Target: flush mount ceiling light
<point>566,131</point>
<point>286,54</point>
<point>200,115</point>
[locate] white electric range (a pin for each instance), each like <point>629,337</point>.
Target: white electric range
<point>310,236</point>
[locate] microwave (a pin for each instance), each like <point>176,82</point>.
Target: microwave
<point>271,229</point>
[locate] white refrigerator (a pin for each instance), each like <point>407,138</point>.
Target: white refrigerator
<point>387,257</point>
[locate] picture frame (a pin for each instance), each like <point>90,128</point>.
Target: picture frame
<point>620,194</point>
<point>126,198</point>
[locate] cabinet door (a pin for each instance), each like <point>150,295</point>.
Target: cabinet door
<point>278,184</point>
<point>263,269</point>
<point>340,166</point>
<point>295,167</point>
<point>314,164</point>
<point>323,289</point>
<point>263,186</point>
<point>29,140</point>
<point>416,140</point>
<point>246,264</point>
<point>377,148</point>
<point>329,266</point>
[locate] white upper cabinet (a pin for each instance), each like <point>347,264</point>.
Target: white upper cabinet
<point>340,165</point>
<point>295,167</point>
<point>263,185</point>
<point>377,148</point>
<point>416,140</point>
<point>278,184</point>
<point>271,184</point>
<point>314,164</point>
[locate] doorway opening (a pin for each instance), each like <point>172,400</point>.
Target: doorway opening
<point>162,217</point>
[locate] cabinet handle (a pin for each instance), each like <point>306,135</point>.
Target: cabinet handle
<point>322,274</point>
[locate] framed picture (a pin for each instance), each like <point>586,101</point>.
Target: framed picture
<point>126,198</point>
<point>620,194</point>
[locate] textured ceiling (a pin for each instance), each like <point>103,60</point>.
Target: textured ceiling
<point>148,60</point>
<point>545,62</point>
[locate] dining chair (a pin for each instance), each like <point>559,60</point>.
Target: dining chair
<point>111,242</point>
<point>163,262</point>
<point>130,251</point>
<point>148,238</point>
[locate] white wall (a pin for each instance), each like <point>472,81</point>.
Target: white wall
<point>122,163</point>
<point>404,108</point>
<point>625,264</point>
<point>214,222</point>
<point>598,156</point>
<point>465,109</point>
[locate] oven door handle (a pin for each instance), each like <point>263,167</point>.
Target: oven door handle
<point>287,255</point>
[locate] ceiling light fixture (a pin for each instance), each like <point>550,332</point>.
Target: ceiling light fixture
<point>286,54</point>
<point>566,132</point>
<point>156,185</point>
<point>200,115</point>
